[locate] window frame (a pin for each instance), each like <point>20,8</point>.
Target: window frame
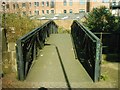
<point>30,12</point>
<point>82,2</point>
<point>105,1</point>
<point>70,2</point>
<point>43,3</point>
<point>52,11</point>
<point>64,11</point>
<point>7,6</point>
<point>24,13</point>
<point>52,3</point>
<point>43,12</point>
<point>65,2</point>
<point>36,12</point>
<point>23,5</point>
<point>81,10</point>
<point>47,11</point>
<point>30,4</point>
<point>47,3</point>
<point>70,11</point>
<point>36,4</point>
<point>17,5</point>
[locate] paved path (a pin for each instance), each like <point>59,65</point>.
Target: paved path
<point>56,65</point>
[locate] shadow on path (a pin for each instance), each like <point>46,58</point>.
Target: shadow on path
<point>65,75</point>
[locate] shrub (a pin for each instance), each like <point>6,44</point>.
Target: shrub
<point>101,20</point>
<point>17,26</point>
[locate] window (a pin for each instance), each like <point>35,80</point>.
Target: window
<point>17,12</point>
<point>52,11</point>
<point>64,2</point>
<point>13,6</point>
<point>47,3</point>
<point>70,11</point>
<point>113,0</point>
<point>47,11</point>
<point>36,3</point>
<point>70,2</point>
<point>82,1</point>
<point>30,4</point>
<point>94,0</point>
<point>23,5</point>
<point>113,3</point>
<point>81,10</point>
<point>36,12</point>
<point>43,3</point>
<point>52,4</point>
<point>24,13</point>
<point>105,1</point>
<point>17,6</point>
<point>65,11</point>
<point>30,12</point>
<point>7,6</point>
<point>42,11</point>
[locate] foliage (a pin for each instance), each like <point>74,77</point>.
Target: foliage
<point>17,26</point>
<point>104,77</point>
<point>63,30</point>
<point>101,20</point>
<point>117,21</point>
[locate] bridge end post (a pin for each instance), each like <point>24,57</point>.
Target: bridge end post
<point>20,62</point>
<point>98,61</point>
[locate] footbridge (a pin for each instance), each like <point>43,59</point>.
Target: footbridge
<point>59,60</point>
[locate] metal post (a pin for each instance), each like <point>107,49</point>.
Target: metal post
<point>98,61</point>
<point>20,62</point>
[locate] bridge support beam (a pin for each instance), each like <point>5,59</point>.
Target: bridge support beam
<point>20,62</point>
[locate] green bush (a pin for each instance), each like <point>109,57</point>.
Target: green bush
<point>101,20</point>
<point>17,26</point>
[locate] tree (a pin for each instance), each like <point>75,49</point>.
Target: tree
<point>101,20</point>
<point>17,26</point>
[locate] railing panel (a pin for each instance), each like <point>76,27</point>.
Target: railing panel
<point>88,48</point>
<point>28,46</point>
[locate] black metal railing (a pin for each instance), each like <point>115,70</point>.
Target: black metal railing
<point>88,49</point>
<point>28,47</point>
<point>110,42</point>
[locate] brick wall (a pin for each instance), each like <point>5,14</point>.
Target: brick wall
<point>58,8</point>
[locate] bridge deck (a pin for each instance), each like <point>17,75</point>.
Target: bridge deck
<point>56,65</point>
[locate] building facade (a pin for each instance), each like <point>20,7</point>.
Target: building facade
<point>42,7</point>
<point>115,7</point>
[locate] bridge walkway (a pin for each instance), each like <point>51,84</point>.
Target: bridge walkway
<point>56,65</point>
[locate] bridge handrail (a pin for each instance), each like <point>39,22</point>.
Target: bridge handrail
<point>88,48</point>
<point>27,47</point>
<point>37,30</point>
<point>88,32</point>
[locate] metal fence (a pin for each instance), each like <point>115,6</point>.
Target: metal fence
<point>110,42</point>
<point>88,49</point>
<point>28,47</point>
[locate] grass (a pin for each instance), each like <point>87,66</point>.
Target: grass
<point>63,30</point>
<point>103,77</point>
